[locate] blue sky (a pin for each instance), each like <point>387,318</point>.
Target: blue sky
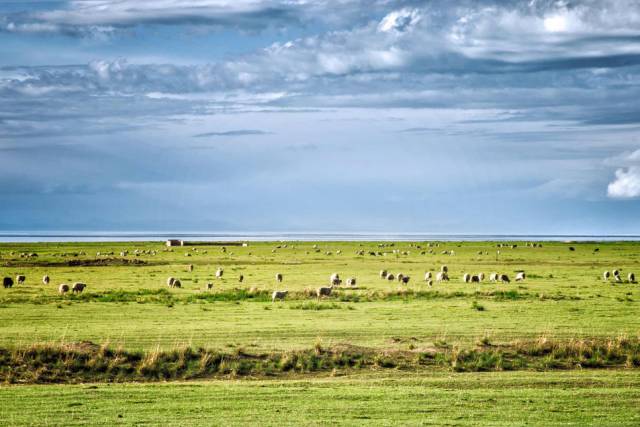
<point>328,115</point>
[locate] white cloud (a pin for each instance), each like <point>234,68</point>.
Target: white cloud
<point>400,21</point>
<point>626,184</point>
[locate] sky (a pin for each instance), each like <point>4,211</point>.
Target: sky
<point>459,117</point>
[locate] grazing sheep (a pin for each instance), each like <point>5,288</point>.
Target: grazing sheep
<point>170,282</point>
<point>324,291</point>
<point>631,277</point>
<point>615,272</point>
<point>466,277</point>
<point>481,276</point>
<point>493,277</point>
<point>390,277</point>
<point>240,278</point>
<point>78,287</point>
<point>442,276</point>
<point>351,281</point>
<point>571,248</point>
<point>606,275</point>
<point>405,280</point>
<point>20,278</point>
<point>617,278</point>
<point>210,285</point>
<point>177,284</point>
<point>427,276</point>
<point>475,279</point>
<point>429,282</point>
<point>279,277</point>
<point>219,273</point>
<point>504,278</point>
<point>520,276</point>
<point>45,279</point>
<point>7,282</point>
<point>63,289</point>
<point>383,274</point>
<point>334,280</point>
<point>190,267</point>
<point>280,295</point>
<point>444,269</point>
<point>400,276</point>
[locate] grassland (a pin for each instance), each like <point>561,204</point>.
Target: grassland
<point>128,308</point>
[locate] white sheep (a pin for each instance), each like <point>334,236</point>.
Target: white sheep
<point>466,277</point>
<point>279,277</point>
<point>219,273</point>
<point>324,291</point>
<point>278,295</point>
<point>442,276</point>
<point>427,276</point>
<point>383,274</point>
<point>78,287</point>
<point>45,279</point>
<point>520,276</point>
<point>63,288</point>
<point>351,281</point>
<point>606,275</point>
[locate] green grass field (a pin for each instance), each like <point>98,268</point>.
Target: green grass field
<point>128,306</point>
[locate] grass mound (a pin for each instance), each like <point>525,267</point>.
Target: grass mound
<point>88,362</point>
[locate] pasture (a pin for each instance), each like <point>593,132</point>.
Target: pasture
<point>408,344</point>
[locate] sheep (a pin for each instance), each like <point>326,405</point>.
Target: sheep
<point>390,277</point>
<point>351,281</point>
<point>210,285</point>
<point>78,287</point>
<point>177,284</point>
<point>20,278</point>
<point>481,276</point>
<point>170,282</point>
<point>504,278</point>
<point>493,277</point>
<point>631,277</point>
<point>444,269</point>
<point>324,291</point>
<point>190,267</point>
<point>383,274</point>
<point>7,282</point>
<point>606,275</point>
<point>427,276</point>
<point>278,295</point>
<point>429,282</point>
<point>615,272</point>
<point>279,277</point>
<point>617,278</point>
<point>442,276</point>
<point>466,277</point>
<point>400,276</point>
<point>475,279</point>
<point>520,276</point>
<point>45,279</point>
<point>219,273</point>
<point>405,280</point>
<point>63,289</point>
<point>334,280</point>
<point>240,278</point>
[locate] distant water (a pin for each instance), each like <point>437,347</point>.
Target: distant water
<point>277,236</point>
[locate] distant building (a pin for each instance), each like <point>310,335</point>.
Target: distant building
<point>174,242</point>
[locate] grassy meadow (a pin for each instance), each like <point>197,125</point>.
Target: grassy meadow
<point>559,348</point>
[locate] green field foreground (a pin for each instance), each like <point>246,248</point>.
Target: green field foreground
<point>578,398</point>
<point>120,352</point>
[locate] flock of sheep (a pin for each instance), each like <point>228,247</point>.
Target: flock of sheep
<point>63,288</point>
<point>615,275</point>
<point>335,280</point>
